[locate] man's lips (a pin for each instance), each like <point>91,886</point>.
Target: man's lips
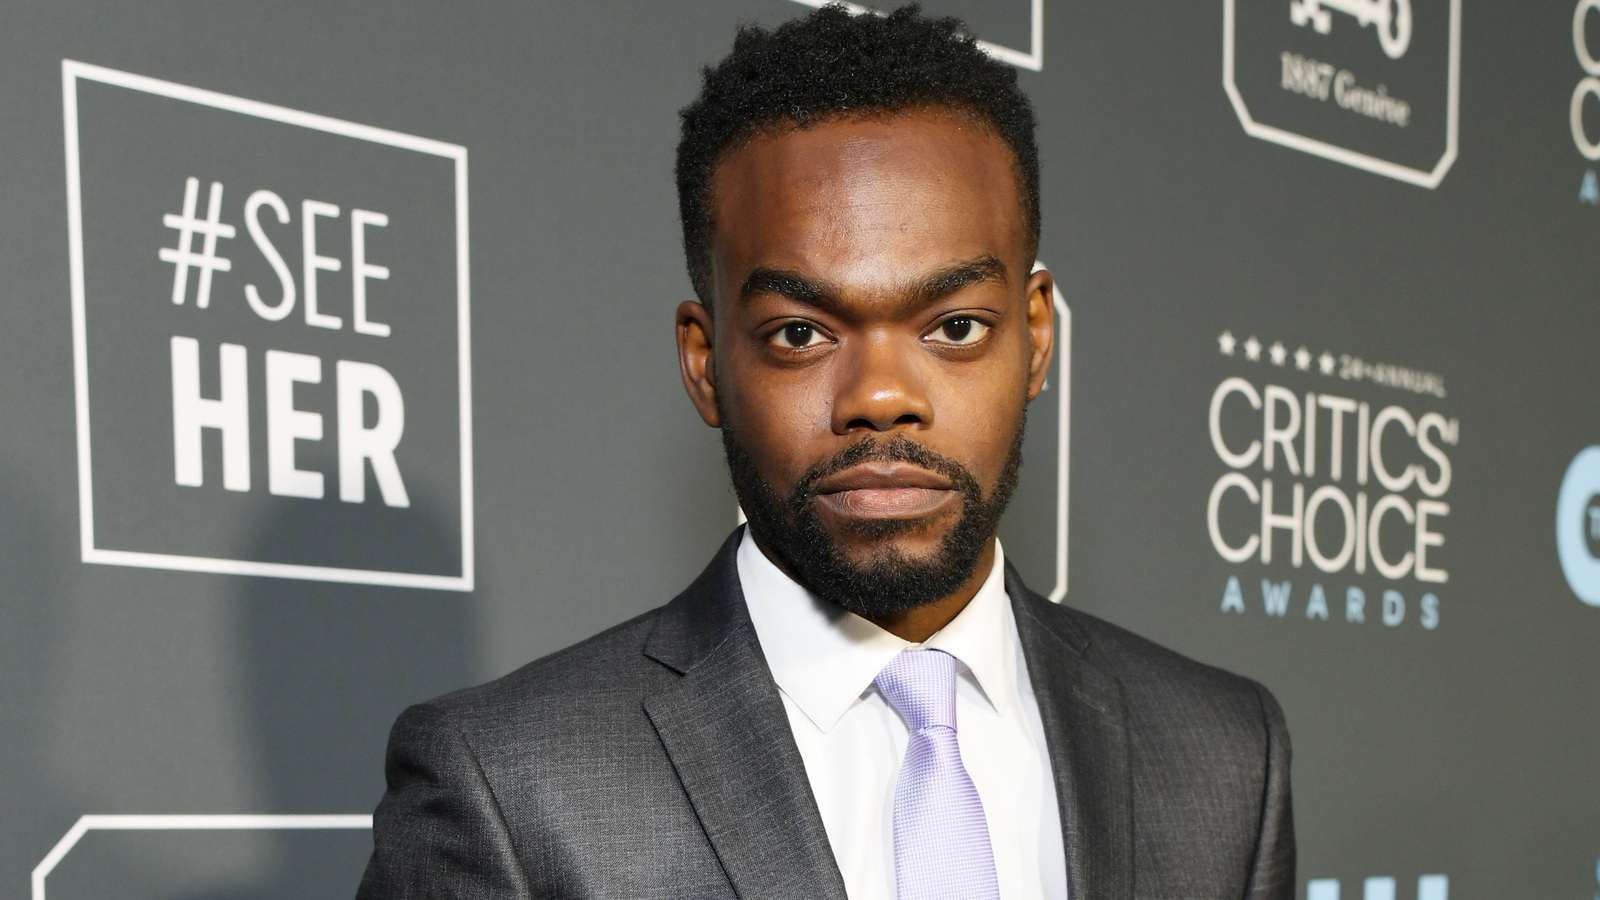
<point>885,491</point>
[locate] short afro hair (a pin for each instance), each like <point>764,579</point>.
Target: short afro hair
<point>831,63</point>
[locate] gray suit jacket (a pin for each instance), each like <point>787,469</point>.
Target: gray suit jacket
<point>656,761</point>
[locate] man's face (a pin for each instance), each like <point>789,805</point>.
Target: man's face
<point>876,338</point>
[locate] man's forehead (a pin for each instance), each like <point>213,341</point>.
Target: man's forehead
<point>908,191</point>
<point>840,147</point>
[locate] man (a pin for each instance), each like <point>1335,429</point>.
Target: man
<point>857,698</point>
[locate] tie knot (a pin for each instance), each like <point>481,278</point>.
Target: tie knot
<point>921,686</point>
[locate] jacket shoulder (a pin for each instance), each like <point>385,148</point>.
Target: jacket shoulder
<point>1159,683</point>
<point>590,695</point>
<point>592,675</point>
<point>557,772</point>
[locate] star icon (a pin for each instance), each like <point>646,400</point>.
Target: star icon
<point>1252,349</point>
<point>1227,342</point>
<point>1302,359</point>
<point>1278,353</point>
<point>1326,361</point>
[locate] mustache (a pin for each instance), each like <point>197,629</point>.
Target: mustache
<point>898,448</point>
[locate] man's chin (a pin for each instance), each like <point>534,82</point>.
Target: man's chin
<point>876,543</point>
<point>876,567</point>
<point>868,542</point>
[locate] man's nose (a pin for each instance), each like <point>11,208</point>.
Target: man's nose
<point>881,386</point>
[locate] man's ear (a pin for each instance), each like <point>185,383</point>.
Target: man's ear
<point>695,342</point>
<point>1041,308</point>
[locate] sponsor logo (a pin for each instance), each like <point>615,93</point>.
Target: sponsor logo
<point>1583,113</point>
<point>270,323</point>
<point>1372,84</point>
<point>1330,474</point>
<point>1429,887</point>
<point>1578,525</point>
<point>977,16</point>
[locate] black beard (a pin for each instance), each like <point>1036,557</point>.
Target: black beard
<point>890,582</point>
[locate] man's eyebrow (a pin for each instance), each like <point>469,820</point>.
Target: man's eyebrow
<point>940,284</point>
<point>784,283</point>
<point>947,281</point>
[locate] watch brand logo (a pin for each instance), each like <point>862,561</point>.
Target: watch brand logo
<point>1429,887</point>
<point>1372,84</point>
<point>270,321</point>
<point>1391,19</point>
<point>1578,525</point>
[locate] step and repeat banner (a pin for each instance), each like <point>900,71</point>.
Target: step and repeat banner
<point>336,372</point>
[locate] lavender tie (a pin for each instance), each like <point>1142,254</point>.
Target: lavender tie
<point>941,840</point>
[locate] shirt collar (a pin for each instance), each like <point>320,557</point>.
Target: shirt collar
<point>825,658</point>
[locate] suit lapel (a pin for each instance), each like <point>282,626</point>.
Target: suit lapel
<point>1086,732</point>
<point>725,730</point>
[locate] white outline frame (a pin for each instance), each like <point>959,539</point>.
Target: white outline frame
<point>1032,60</point>
<point>86,824</point>
<point>1418,177</point>
<point>1063,351</point>
<point>73,71</point>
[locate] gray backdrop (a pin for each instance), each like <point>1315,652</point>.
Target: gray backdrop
<point>1406,198</point>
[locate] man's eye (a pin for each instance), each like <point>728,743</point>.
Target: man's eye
<point>960,330</point>
<point>798,334</point>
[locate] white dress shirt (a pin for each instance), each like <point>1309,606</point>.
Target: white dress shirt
<point>852,742</point>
